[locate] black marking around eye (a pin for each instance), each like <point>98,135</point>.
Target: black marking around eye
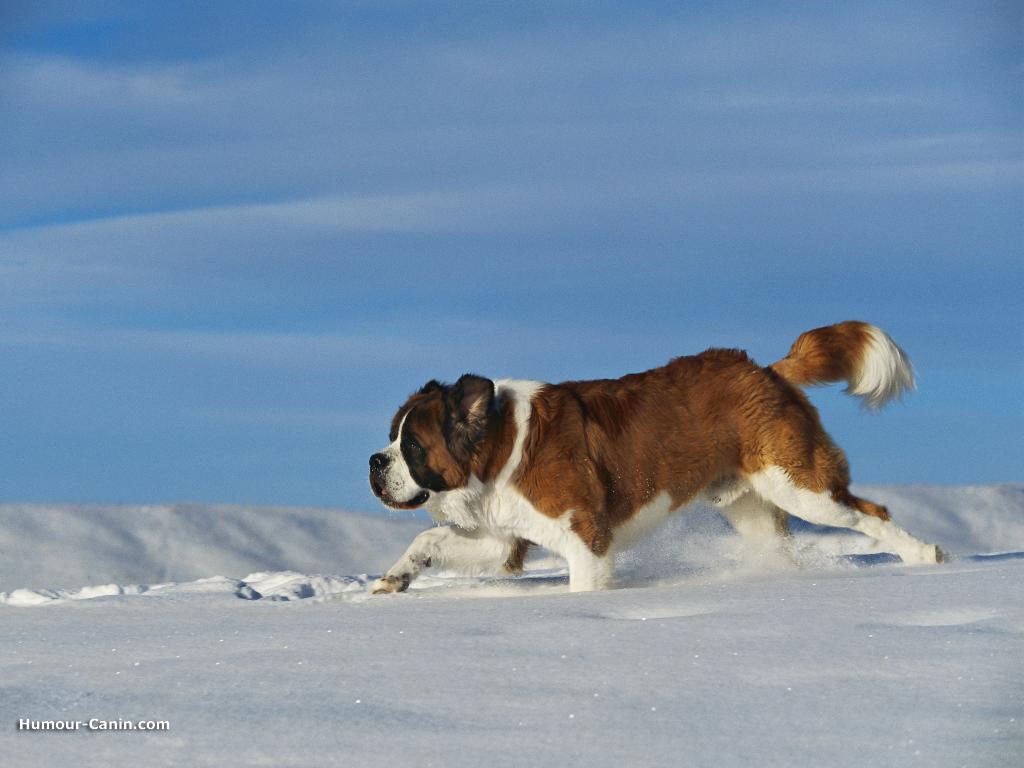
<point>416,459</point>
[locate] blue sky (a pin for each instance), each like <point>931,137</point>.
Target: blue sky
<point>233,237</point>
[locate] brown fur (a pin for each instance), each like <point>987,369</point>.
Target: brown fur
<point>824,354</point>
<point>426,413</point>
<point>517,558</point>
<point>605,448</point>
<point>497,446</point>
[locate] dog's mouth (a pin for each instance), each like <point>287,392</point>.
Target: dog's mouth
<point>416,501</point>
<point>379,491</point>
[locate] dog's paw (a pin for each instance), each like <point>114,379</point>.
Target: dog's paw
<point>390,583</point>
<point>926,554</point>
<point>930,554</point>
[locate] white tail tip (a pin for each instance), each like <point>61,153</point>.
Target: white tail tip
<point>884,372</point>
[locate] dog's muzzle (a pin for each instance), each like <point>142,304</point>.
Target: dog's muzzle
<point>380,463</point>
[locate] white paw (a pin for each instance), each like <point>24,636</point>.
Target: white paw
<point>927,554</point>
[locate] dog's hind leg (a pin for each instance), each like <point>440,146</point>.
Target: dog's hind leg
<point>763,527</point>
<point>468,552</point>
<point>840,509</point>
<point>756,519</point>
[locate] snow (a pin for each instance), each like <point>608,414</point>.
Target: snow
<point>68,545</point>
<point>251,632</point>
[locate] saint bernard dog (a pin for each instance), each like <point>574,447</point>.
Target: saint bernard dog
<point>585,468</point>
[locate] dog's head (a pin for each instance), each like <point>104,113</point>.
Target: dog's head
<point>434,437</point>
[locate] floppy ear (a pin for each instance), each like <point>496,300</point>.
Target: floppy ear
<point>431,386</point>
<point>469,402</point>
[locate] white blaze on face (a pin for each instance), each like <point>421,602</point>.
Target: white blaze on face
<point>398,482</point>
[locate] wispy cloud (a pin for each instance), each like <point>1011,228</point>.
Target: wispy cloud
<point>887,177</point>
<point>512,109</point>
<point>159,254</point>
<point>261,348</point>
<point>68,84</point>
<point>978,144</point>
<point>222,225</point>
<point>302,419</point>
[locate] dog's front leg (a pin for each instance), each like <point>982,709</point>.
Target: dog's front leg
<point>588,571</point>
<point>469,552</point>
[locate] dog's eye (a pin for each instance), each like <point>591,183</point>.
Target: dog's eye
<point>415,447</point>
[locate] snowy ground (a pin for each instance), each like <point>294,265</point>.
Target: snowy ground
<point>702,658</point>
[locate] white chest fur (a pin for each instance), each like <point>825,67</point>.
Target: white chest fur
<point>498,508</point>
<point>492,506</point>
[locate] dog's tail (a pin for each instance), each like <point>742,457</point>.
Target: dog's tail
<point>872,364</point>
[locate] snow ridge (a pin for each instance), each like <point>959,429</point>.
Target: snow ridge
<point>79,543</point>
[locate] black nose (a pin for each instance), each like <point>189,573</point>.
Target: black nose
<point>378,461</point>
